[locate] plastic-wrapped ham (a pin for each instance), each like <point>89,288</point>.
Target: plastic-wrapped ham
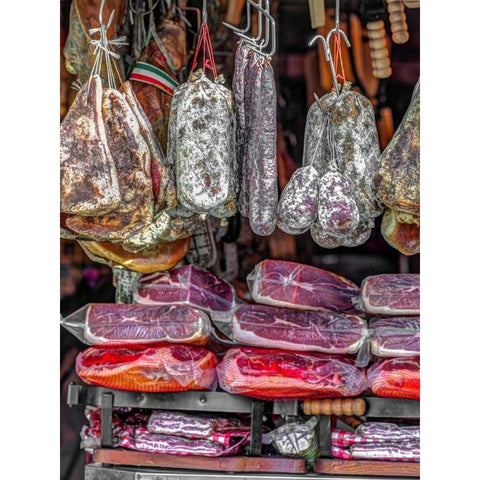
<point>118,324</point>
<point>378,432</point>
<point>187,285</point>
<point>163,368</point>
<point>395,337</point>
<point>195,426</point>
<point>294,285</point>
<point>144,441</point>
<point>282,375</point>
<point>402,452</point>
<point>391,294</point>
<point>276,327</point>
<point>395,378</point>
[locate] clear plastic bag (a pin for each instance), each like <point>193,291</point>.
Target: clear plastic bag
<point>186,285</point>
<point>111,324</point>
<point>282,375</point>
<point>163,368</point>
<point>395,337</point>
<point>276,327</point>
<point>378,432</point>
<point>294,285</point>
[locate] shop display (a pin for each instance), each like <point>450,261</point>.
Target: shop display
<point>276,374</point>
<point>390,294</point>
<point>161,368</point>
<point>395,378</point>
<point>110,324</point>
<point>180,154</point>
<point>188,285</point>
<point>395,337</point>
<point>275,327</point>
<point>293,285</point>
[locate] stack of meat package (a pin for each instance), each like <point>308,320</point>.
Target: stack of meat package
<point>394,300</point>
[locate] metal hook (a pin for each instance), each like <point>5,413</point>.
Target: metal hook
<point>204,11</point>
<point>328,58</point>
<point>239,30</point>
<point>250,40</point>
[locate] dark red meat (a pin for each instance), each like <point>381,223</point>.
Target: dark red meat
<point>276,327</point>
<point>293,285</point>
<point>187,285</point>
<point>395,337</point>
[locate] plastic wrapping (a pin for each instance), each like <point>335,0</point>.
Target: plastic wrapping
<point>395,337</point>
<point>141,440</point>
<point>196,426</point>
<point>295,440</point>
<point>404,452</point>
<point>390,294</point>
<point>163,368</point>
<point>294,285</point>
<point>395,378</point>
<point>187,285</point>
<point>276,327</point>
<point>378,432</point>
<point>118,324</point>
<point>276,374</point>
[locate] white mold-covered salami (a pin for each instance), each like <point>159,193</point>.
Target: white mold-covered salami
<point>297,208</point>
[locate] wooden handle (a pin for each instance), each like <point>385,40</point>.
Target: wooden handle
<point>379,49</point>
<point>234,12</point>
<point>398,21</point>
<point>337,406</point>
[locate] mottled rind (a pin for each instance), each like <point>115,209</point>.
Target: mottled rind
<point>398,176</point>
<point>263,178</point>
<point>405,237</point>
<point>132,159</point>
<point>297,207</point>
<point>88,176</point>
<point>337,211</point>
<point>167,194</point>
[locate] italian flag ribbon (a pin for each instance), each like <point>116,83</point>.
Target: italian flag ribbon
<point>146,73</point>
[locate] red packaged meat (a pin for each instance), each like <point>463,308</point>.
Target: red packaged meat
<point>395,378</point>
<point>294,285</point>
<point>276,327</point>
<point>282,375</point>
<point>187,285</point>
<point>119,324</point>
<point>186,425</point>
<point>163,368</point>
<point>390,294</point>
<point>395,337</point>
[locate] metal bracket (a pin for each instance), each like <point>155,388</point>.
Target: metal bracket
<point>106,420</point>
<point>324,435</point>
<point>255,448</point>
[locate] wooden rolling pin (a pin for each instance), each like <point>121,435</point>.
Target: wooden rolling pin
<point>337,406</point>
<point>379,49</point>
<point>398,21</point>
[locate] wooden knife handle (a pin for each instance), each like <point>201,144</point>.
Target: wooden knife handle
<point>379,49</point>
<point>398,21</point>
<point>337,406</point>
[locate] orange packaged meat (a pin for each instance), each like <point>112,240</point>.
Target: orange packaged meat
<point>163,368</point>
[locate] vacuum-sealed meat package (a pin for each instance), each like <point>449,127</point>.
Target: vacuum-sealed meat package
<point>117,324</point>
<point>281,375</point>
<point>163,368</point>
<point>395,337</point>
<point>390,294</point>
<point>276,327</point>
<point>294,285</point>
<point>395,378</point>
<point>186,285</point>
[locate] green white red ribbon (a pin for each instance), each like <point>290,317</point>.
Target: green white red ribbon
<point>146,73</point>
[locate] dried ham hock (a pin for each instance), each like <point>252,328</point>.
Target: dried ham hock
<point>89,183</point>
<point>293,285</point>
<point>276,374</point>
<point>163,368</point>
<point>275,327</point>
<point>390,294</point>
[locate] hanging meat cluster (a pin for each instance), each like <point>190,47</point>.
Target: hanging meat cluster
<point>398,182</point>
<point>333,194</point>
